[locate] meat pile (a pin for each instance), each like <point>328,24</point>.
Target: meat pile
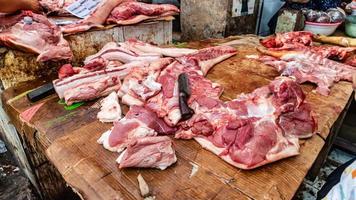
<point>121,13</point>
<point>34,33</point>
<point>252,130</point>
<point>290,54</point>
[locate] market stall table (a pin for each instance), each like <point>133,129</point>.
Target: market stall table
<point>68,140</point>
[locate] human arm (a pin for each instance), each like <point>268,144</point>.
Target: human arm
<point>10,6</point>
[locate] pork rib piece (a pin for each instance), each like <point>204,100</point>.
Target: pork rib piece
<point>34,33</point>
<point>96,19</point>
<point>141,83</point>
<point>133,12</point>
<point>138,122</point>
<point>148,152</point>
<point>137,45</point>
<point>68,83</point>
<point>110,110</point>
<point>307,66</point>
<point>114,52</point>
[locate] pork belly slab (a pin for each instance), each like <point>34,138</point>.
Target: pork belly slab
<point>148,152</point>
<point>132,12</point>
<point>34,33</point>
<point>87,84</point>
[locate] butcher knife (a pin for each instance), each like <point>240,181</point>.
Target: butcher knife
<point>41,92</point>
<point>184,94</point>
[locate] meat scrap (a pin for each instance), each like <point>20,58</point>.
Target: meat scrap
<point>110,110</point>
<point>151,152</point>
<point>133,12</point>
<point>34,33</point>
<point>283,41</point>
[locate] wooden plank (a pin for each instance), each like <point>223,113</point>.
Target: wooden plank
<point>92,171</point>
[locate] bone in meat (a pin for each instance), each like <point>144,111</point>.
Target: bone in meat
<point>110,110</point>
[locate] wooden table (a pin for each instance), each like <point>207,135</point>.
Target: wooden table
<point>68,140</point>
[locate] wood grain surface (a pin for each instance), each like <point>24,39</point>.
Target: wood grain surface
<point>70,138</point>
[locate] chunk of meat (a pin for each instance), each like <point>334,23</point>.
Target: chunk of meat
<point>56,7</point>
<point>137,45</point>
<point>34,33</point>
<point>141,83</point>
<point>133,12</point>
<point>110,110</point>
<point>96,19</point>
<point>138,122</point>
<point>83,76</point>
<point>148,152</point>
<point>294,40</point>
<point>92,90</point>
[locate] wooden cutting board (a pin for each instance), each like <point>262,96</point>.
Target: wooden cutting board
<point>70,139</point>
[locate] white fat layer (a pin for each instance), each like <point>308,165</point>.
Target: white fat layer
<point>130,100</point>
<point>143,131</point>
<point>150,82</point>
<point>252,56</point>
<point>110,109</point>
<point>121,156</point>
<point>104,140</point>
<point>174,116</point>
<point>262,108</point>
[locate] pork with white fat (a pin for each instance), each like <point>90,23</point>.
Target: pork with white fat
<point>133,12</point>
<point>138,122</point>
<point>148,152</point>
<point>34,33</point>
<point>110,110</point>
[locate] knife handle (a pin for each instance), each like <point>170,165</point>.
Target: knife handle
<point>185,110</point>
<point>41,92</point>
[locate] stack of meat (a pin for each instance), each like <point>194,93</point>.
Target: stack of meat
<point>252,130</point>
<point>292,54</point>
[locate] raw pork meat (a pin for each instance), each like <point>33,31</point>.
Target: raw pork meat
<point>254,129</point>
<point>110,110</point>
<point>283,41</point>
<point>56,7</point>
<point>141,83</point>
<point>113,52</point>
<point>307,66</point>
<point>133,12</point>
<point>138,122</point>
<point>166,103</point>
<point>34,33</point>
<point>148,152</point>
<point>91,77</point>
<point>92,90</point>
<point>96,19</point>
<point>136,45</point>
